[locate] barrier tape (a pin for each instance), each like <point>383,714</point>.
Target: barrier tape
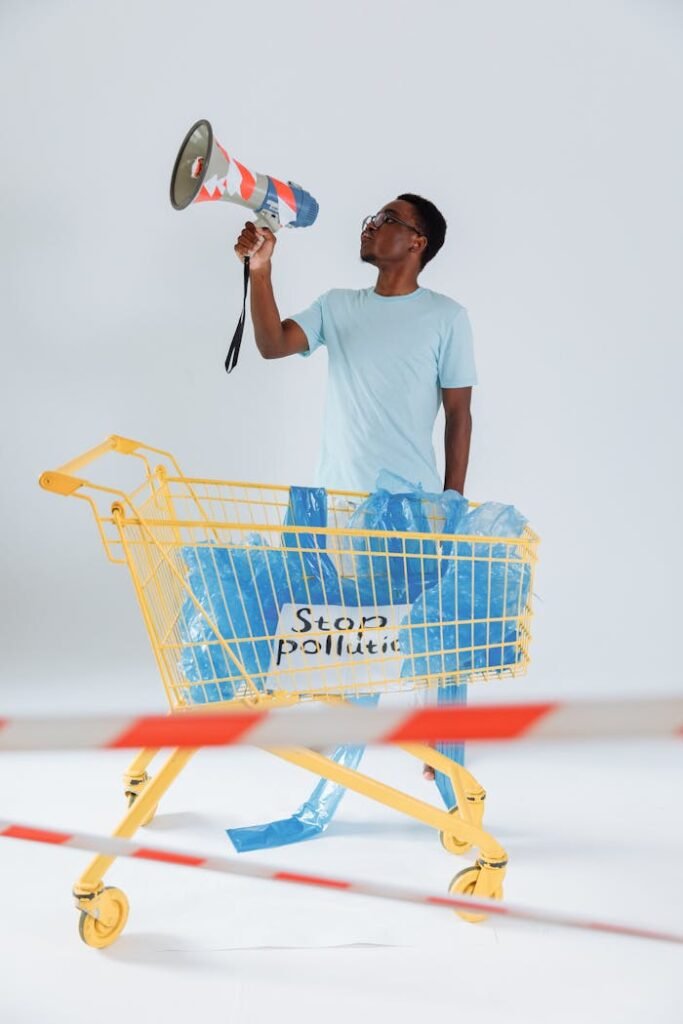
<point>224,865</point>
<point>330,725</point>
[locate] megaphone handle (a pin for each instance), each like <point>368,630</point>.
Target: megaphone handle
<point>234,350</point>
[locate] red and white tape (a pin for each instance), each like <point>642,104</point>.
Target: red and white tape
<point>328,725</point>
<point>225,865</point>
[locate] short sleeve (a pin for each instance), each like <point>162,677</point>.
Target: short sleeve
<point>456,353</point>
<point>311,322</point>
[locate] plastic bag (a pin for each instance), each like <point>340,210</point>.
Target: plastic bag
<point>459,623</point>
<point>314,815</point>
<point>396,570</point>
<point>231,588</point>
<point>242,590</point>
<point>308,573</point>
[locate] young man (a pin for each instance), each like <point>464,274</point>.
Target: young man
<point>395,352</point>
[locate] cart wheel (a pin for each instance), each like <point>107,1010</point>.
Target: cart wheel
<point>132,797</point>
<point>449,841</point>
<point>111,906</point>
<point>464,884</point>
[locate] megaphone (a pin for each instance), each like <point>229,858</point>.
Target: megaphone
<point>205,173</point>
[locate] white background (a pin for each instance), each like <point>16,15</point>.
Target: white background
<point>547,133</point>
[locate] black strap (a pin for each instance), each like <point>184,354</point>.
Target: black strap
<point>234,350</point>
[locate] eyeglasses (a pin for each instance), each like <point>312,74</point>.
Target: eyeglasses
<point>377,219</point>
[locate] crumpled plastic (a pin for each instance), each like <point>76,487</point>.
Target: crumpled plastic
<point>464,613</point>
<point>396,570</point>
<point>314,815</point>
<point>308,573</point>
<point>242,590</point>
<point>231,587</point>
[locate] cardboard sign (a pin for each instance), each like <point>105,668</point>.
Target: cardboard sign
<point>328,648</point>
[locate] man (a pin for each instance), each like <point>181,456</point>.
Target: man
<point>395,352</point>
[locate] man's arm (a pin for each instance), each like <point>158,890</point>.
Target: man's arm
<point>274,338</point>
<point>456,404</point>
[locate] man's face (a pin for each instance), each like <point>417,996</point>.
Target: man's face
<point>392,242</point>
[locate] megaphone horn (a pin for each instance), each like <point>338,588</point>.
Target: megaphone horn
<point>204,172</point>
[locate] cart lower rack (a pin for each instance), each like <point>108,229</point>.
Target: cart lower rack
<point>264,596</point>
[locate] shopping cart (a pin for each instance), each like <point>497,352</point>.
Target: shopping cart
<point>245,607</point>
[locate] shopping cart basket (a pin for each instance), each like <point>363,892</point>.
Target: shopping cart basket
<point>243,606</point>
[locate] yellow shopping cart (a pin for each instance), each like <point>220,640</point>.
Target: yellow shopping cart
<point>246,606</point>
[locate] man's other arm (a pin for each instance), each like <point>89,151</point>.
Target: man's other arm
<point>456,404</point>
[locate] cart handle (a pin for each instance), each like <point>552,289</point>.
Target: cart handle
<point>63,480</point>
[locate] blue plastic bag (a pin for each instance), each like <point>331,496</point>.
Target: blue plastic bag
<point>231,588</point>
<point>309,574</point>
<point>396,570</point>
<point>314,815</point>
<point>242,590</point>
<point>458,624</point>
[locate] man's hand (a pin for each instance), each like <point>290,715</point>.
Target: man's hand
<point>256,243</point>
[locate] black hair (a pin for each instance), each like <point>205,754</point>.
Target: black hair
<point>431,222</point>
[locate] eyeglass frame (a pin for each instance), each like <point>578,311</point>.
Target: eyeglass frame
<point>388,218</point>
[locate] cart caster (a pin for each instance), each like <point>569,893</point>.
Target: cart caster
<point>449,841</point>
<point>465,884</point>
<point>105,918</point>
<point>134,789</point>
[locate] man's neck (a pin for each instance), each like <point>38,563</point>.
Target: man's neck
<point>396,282</point>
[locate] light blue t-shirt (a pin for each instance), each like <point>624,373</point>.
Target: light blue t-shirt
<point>389,356</point>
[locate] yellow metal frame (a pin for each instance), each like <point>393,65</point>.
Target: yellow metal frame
<point>143,528</point>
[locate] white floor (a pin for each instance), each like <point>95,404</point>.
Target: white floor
<point>594,828</point>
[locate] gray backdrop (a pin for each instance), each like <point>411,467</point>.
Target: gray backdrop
<point>546,132</point>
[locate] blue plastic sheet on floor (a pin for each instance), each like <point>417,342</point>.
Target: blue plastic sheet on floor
<point>314,815</point>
